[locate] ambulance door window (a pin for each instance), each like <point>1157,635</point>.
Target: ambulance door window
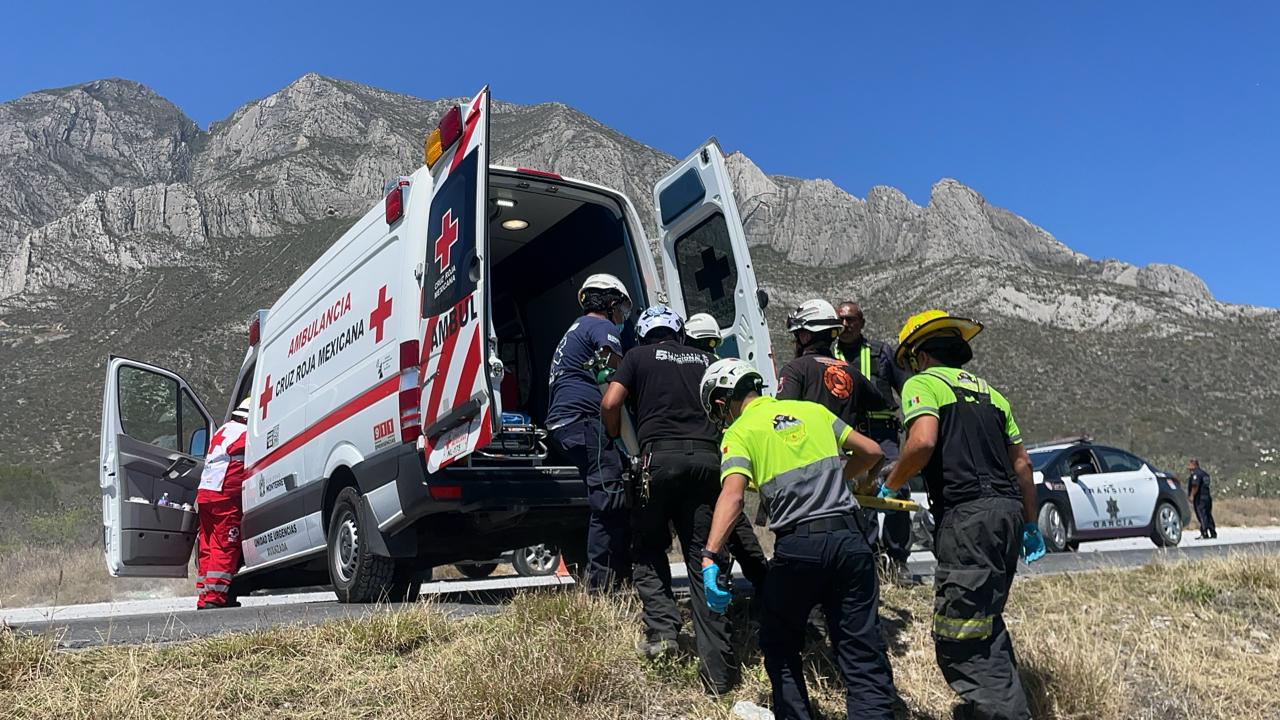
<point>149,408</point>
<point>192,426</point>
<point>708,275</point>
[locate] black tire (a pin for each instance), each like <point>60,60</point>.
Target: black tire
<point>358,576</point>
<point>1166,530</point>
<point>536,560</point>
<point>1054,527</point>
<point>477,571</point>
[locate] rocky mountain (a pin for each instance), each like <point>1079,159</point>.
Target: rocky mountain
<point>126,229</point>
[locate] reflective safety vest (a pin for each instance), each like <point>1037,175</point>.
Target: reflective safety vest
<point>864,367</point>
<point>789,451</point>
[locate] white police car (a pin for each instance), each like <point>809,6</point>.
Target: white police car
<point>1087,492</point>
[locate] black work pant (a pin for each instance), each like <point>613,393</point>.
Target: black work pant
<point>895,533</point>
<point>683,492</point>
<point>834,569</point>
<point>977,545</point>
<point>1204,514</point>
<point>745,548</point>
<point>585,445</point>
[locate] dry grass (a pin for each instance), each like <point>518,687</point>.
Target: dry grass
<point>1245,511</point>
<point>61,576</point>
<point>1192,640</point>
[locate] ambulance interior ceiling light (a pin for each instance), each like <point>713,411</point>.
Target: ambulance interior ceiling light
<point>505,202</point>
<point>515,224</point>
<point>444,136</point>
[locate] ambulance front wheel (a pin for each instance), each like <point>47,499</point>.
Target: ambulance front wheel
<point>357,574</point>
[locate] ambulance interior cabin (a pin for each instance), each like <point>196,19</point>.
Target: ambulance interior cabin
<point>545,240</point>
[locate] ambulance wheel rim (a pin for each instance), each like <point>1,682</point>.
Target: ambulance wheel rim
<point>348,546</point>
<point>1170,523</point>
<point>540,558</point>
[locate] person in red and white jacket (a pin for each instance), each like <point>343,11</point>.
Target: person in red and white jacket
<point>218,505</point>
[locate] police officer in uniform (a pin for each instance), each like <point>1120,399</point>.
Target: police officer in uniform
<point>962,437</point>
<point>1201,499</point>
<point>874,361</point>
<point>661,379</point>
<point>575,430</point>
<point>791,452</point>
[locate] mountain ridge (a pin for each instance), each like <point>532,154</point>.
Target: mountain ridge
<point>171,236</point>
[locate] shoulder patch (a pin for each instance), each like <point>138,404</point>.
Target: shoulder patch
<point>838,381</point>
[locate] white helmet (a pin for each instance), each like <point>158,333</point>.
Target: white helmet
<point>602,281</point>
<point>658,316</point>
<point>813,315</point>
<point>723,377</point>
<point>241,411</point>
<point>702,326</point>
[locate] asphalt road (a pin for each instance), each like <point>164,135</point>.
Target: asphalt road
<point>173,620</point>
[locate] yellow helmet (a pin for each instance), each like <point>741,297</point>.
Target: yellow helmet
<point>922,325</point>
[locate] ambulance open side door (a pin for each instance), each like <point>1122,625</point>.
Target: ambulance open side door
<point>705,261</point>
<point>155,433</point>
<point>457,404</point>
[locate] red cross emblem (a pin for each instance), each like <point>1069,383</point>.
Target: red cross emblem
<point>218,437</point>
<point>379,316</point>
<point>265,397</point>
<point>448,236</point>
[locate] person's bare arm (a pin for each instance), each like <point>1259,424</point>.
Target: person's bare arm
<point>866,454</point>
<point>728,508</point>
<point>1021,463</point>
<point>611,408</point>
<point>922,438</point>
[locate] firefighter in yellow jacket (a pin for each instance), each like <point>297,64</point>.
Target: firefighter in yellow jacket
<point>961,436</point>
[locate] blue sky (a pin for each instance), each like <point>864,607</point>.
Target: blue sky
<point>1146,131</point>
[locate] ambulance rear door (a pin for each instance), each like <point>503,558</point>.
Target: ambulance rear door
<point>705,261</point>
<point>155,432</point>
<point>458,347</point>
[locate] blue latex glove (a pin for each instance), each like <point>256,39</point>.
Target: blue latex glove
<point>886,492</point>
<point>1032,542</point>
<point>717,599</point>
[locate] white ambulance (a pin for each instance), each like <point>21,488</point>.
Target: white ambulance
<point>398,386</point>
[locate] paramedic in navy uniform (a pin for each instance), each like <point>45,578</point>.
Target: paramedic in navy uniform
<point>575,429</point>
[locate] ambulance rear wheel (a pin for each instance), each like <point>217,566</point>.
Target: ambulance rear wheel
<point>358,576</point>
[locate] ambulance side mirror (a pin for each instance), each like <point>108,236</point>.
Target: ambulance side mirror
<point>199,443</point>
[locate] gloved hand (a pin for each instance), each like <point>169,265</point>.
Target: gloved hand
<point>1032,542</point>
<point>717,598</point>
<point>886,492</point>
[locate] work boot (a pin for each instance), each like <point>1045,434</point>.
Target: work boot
<point>654,649</point>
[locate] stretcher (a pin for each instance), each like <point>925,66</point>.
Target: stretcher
<point>879,503</point>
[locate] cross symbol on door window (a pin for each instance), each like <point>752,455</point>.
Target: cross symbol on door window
<point>713,273</point>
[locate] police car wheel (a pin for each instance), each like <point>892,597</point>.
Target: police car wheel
<point>1053,527</point>
<point>1168,526</point>
<point>536,560</point>
<point>358,576</point>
